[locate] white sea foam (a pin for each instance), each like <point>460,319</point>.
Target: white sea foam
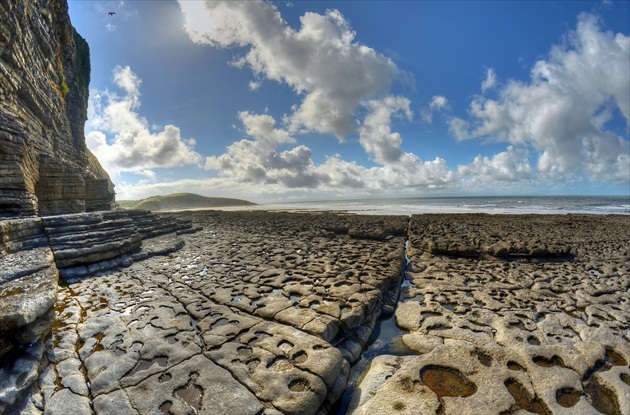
<point>494,205</point>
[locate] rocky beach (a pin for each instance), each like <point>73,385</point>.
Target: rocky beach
<point>267,312</point>
<point>111,311</point>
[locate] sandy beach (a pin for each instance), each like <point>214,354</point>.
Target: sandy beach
<point>266,313</point>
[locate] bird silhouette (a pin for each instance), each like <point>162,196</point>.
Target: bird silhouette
<point>111,13</point>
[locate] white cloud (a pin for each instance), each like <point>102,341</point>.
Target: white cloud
<point>458,128</point>
<point>562,112</point>
<point>375,134</point>
<point>335,76</point>
<point>258,160</point>
<point>438,103</point>
<point>122,140</point>
<point>490,81</point>
<point>508,166</point>
<point>321,61</point>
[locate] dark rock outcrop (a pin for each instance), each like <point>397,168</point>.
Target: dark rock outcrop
<point>45,166</point>
<point>28,291</point>
<point>35,252</point>
<point>46,169</point>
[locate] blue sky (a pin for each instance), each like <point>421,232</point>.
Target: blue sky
<point>306,100</point>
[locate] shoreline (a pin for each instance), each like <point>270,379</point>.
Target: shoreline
<point>490,205</point>
<point>386,212</point>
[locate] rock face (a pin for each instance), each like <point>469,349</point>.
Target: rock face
<point>264,313</point>
<point>258,313</point>
<point>35,251</point>
<point>28,291</point>
<point>45,166</point>
<point>510,314</point>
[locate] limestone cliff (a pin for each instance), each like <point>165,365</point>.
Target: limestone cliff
<point>45,166</point>
<point>47,170</point>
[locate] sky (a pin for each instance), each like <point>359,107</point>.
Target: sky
<point>276,101</point>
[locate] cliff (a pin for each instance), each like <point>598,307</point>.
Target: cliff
<point>46,170</point>
<point>45,166</point>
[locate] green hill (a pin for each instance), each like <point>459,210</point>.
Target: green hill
<point>177,201</point>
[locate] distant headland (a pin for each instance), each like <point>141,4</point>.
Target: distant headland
<point>182,201</point>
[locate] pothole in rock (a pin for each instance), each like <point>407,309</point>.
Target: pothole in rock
<point>614,358</point>
<point>145,364</point>
<point>568,397</point>
<point>544,362</point>
<point>115,346</point>
<point>279,364</point>
<point>191,394</point>
<point>252,364</point>
<point>533,340</point>
<point>602,399</point>
<point>524,400</point>
<point>300,357</point>
<point>285,345</point>
<point>166,407</point>
<point>245,351</point>
<point>515,366</point>
<point>299,385</point>
<point>484,359</point>
<point>445,381</point>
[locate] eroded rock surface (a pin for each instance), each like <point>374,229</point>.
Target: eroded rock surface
<point>509,315</point>
<point>257,313</point>
<point>264,313</point>
<point>28,291</point>
<point>35,251</point>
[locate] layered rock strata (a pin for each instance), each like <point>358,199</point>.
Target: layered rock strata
<point>45,166</point>
<point>35,251</point>
<point>510,314</point>
<point>258,313</point>
<point>28,291</point>
<point>90,243</point>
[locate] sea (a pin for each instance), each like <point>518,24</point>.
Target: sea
<point>601,205</point>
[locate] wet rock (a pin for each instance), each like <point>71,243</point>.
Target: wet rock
<point>28,290</point>
<point>266,312</point>
<point>535,326</point>
<point>194,386</point>
<point>65,402</point>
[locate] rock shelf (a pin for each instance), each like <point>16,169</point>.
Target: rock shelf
<point>530,313</point>
<point>35,252</point>
<point>265,313</point>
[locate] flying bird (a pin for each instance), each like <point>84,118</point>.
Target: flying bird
<point>111,13</point>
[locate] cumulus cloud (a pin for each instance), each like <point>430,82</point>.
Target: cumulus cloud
<point>122,140</point>
<point>563,111</point>
<point>438,103</point>
<point>490,81</point>
<point>321,61</point>
<point>375,134</point>
<point>510,165</point>
<point>257,159</point>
